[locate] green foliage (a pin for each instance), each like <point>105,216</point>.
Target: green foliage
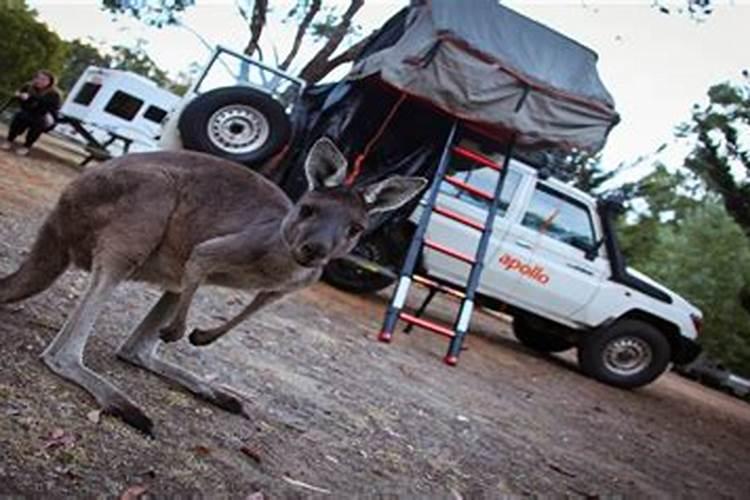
<point>706,258</point>
<point>26,45</point>
<point>157,13</point>
<point>80,56</point>
<point>719,157</point>
<point>136,59</point>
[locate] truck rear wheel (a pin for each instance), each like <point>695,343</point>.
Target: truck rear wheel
<point>538,339</point>
<point>629,354</point>
<point>350,277</point>
<point>237,123</point>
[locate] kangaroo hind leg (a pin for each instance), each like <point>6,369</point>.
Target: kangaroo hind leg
<point>140,350</point>
<point>64,355</point>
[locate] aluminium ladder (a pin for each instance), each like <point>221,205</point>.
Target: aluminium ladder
<point>395,312</point>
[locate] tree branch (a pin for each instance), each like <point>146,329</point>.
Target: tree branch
<point>257,23</point>
<point>346,56</point>
<point>314,70</point>
<point>301,31</point>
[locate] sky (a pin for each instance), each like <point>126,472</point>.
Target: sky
<point>656,66</point>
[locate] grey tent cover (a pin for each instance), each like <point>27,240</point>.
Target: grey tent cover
<point>487,64</point>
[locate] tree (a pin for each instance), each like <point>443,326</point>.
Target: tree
<point>323,24</point>
<point>26,45</point>
<point>721,157</point>
<point>80,55</point>
<point>706,258</point>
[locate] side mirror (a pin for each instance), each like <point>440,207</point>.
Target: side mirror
<point>593,250</point>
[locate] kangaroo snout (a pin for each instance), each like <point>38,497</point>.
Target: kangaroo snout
<point>311,254</point>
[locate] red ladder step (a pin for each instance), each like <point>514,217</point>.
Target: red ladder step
<point>479,158</point>
<point>469,188</point>
<point>428,325</point>
<point>421,280</point>
<point>458,218</point>
<point>448,251</point>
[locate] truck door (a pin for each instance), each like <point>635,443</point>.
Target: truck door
<point>556,230</point>
<point>448,232</point>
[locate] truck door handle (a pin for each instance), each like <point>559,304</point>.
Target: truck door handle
<point>581,269</point>
<point>523,244</point>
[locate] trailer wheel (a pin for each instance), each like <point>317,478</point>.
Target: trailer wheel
<point>237,123</point>
<point>628,354</point>
<point>538,339</point>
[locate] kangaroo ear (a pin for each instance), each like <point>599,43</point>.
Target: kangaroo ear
<point>392,193</point>
<point>325,166</point>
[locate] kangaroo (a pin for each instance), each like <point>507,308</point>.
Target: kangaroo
<point>179,220</point>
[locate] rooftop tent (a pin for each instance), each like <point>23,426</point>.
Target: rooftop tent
<point>504,72</point>
<point>479,61</point>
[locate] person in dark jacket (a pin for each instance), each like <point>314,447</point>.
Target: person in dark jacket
<point>39,101</point>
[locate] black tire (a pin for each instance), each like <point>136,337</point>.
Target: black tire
<point>350,277</point>
<point>237,123</point>
<point>538,339</point>
<point>629,354</point>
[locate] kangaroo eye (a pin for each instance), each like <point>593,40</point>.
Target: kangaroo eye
<point>306,211</point>
<point>355,229</point>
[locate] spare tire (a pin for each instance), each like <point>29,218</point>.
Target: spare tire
<point>241,124</point>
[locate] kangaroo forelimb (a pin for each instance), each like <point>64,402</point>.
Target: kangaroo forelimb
<point>204,337</point>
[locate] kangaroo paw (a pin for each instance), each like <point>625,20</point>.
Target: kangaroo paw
<point>131,415</point>
<point>172,333</point>
<point>202,337</point>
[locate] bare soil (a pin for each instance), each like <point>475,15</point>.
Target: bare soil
<point>333,411</point>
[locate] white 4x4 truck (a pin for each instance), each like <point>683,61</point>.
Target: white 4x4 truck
<point>553,260</point>
<point>554,264</point>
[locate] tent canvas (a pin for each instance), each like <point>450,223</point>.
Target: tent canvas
<point>486,64</point>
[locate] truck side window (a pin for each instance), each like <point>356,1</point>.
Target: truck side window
<point>486,180</point>
<point>560,217</point>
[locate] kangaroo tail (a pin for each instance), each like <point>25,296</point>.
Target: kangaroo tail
<point>48,259</point>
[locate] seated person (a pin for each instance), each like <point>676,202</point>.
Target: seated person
<point>40,101</point>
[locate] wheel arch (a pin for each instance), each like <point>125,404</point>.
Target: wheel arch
<point>670,330</point>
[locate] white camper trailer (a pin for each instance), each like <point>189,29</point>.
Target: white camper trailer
<point>122,104</point>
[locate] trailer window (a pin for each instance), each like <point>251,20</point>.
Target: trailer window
<point>557,216</point>
<point>154,114</point>
<point>87,93</point>
<point>123,105</point>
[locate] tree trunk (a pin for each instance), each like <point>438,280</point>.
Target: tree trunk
<point>320,64</point>
<point>257,23</point>
<point>301,31</point>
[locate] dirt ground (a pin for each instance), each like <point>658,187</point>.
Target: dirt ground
<point>333,411</point>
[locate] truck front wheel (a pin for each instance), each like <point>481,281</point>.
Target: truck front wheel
<point>629,354</point>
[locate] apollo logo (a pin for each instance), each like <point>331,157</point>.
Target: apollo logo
<point>534,272</point>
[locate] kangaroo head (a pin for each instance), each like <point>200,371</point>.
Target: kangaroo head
<point>328,220</point>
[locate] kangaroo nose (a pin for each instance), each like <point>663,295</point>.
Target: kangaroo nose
<point>313,251</point>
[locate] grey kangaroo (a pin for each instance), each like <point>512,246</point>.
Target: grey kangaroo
<point>179,220</point>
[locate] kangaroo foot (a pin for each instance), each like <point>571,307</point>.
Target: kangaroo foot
<point>203,337</point>
<point>131,415</point>
<point>172,333</point>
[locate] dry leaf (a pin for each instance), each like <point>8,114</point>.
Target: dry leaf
<point>251,453</point>
<point>201,450</point>
<point>133,492</point>
<point>94,416</point>
<point>59,438</point>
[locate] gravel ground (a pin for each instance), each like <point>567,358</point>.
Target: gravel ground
<point>333,412</point>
